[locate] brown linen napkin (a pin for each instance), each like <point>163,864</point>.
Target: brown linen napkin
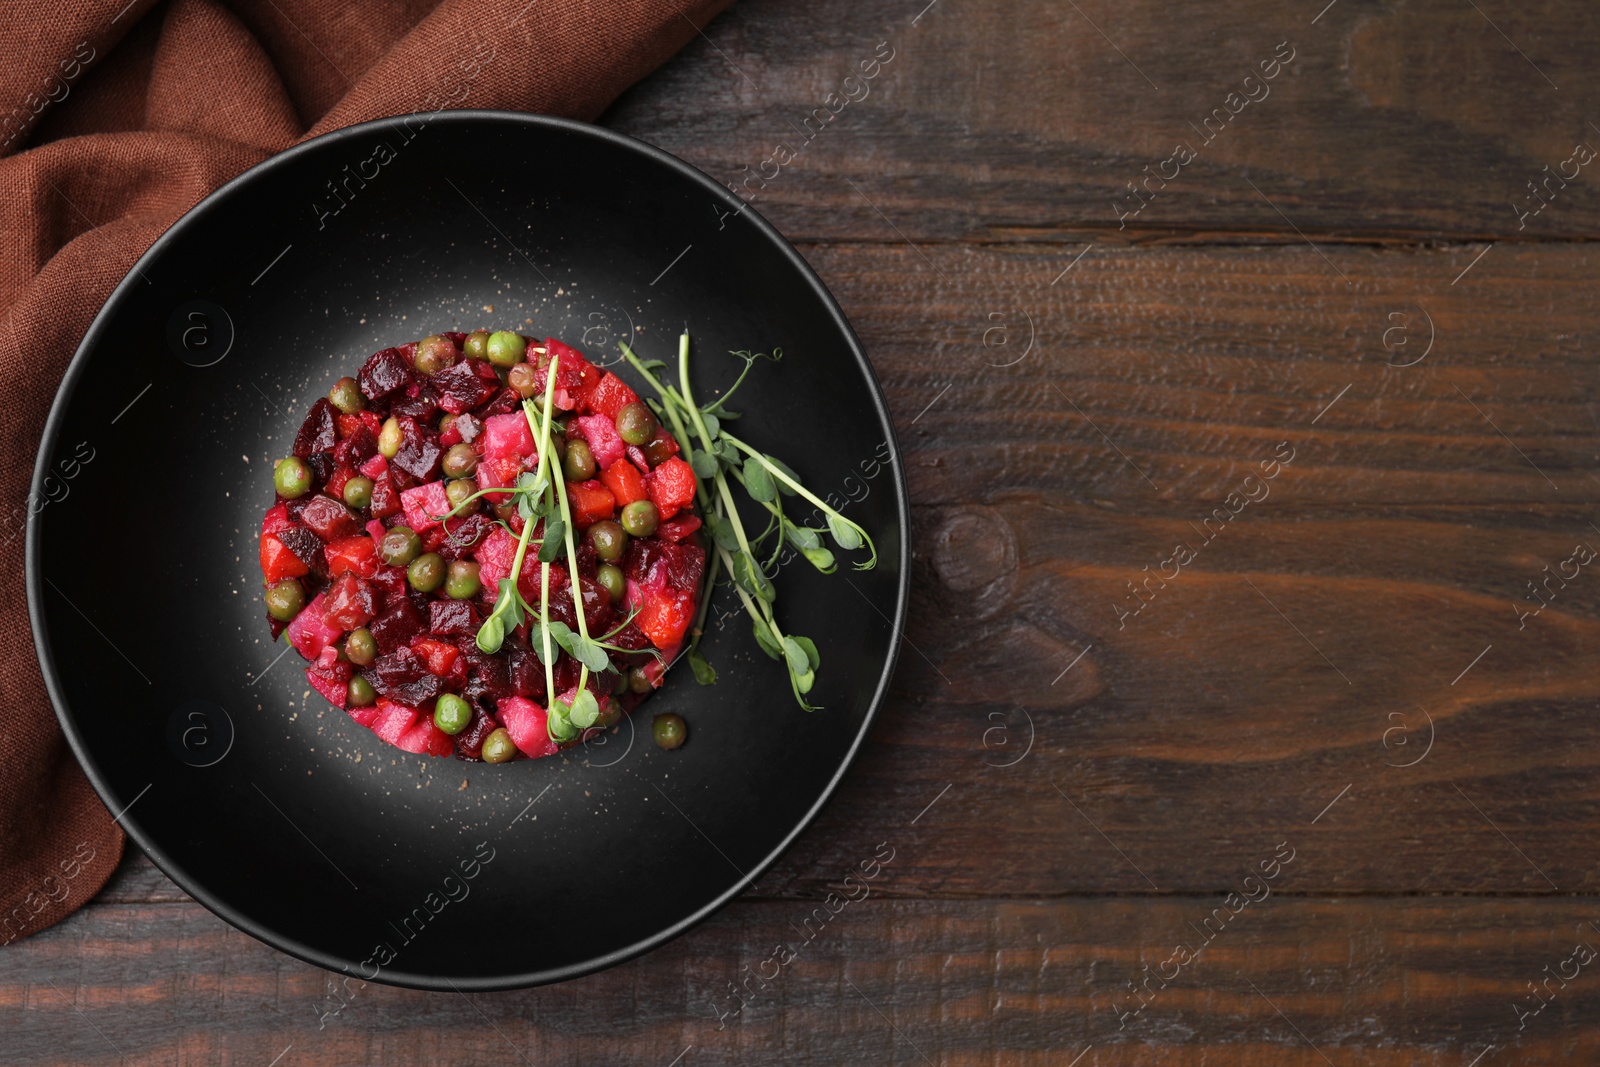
<point>124,115</point>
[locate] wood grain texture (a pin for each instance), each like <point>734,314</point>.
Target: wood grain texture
<point>1396,120</point>
<point>953,983</point>
<point>1338,671</point>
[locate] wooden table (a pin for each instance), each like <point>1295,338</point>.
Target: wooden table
<point>1247,713</point>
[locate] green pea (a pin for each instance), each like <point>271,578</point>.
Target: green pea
<point>461,580</point>
<point>612,580</point>
<point>361,648</point>
<point>670,730</point>
<point>390,438</point>
<point>610,714</point>
<point>658,452</point>
<point>524,378</point>
<point>640,518</point>
<point>460,491</point>
<point>608,539</point>
<point>291,478</point>
<point>399,546</point>
<point>638,681</point>
<point>578,464</point>
<point>358,491</point>
<point>452,714</point>
<point>460,461</point>
<point>285,599</point>
<point>498,747</point>
<point>360,693</point>
<point>426,572</point>
<point>346,396</point>
<point>434,354</point>
<point>476,346</point>
<point>636,423</point>
<point>505,348</point>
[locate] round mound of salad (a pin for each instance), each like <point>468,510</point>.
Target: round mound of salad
<point>485,546</point>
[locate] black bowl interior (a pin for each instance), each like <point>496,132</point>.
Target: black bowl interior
<point>270,806</point>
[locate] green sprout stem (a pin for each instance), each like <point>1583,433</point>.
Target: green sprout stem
<point>545,471</point>
<point>778,473</point>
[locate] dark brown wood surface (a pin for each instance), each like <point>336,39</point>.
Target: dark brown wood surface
<point>1340,291</point>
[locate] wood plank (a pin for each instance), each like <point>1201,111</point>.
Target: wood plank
<point>1392,982</point>
<point>1027,120</point>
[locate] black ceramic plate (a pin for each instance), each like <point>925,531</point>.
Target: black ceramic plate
<point>268,805</point>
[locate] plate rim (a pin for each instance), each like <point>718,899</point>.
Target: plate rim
<point>222,909</point>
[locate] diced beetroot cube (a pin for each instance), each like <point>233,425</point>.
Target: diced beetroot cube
<point>465,533</point>
<point>631,638</point>
<point>364,716</point>
<point>604,441</point>
<point>452,617</point>
<point>375,467</point>
<point>419,451</point>
<point>309,633</point>
<point>385,497</point>
<point>575,376</point>
<point>641,561</point>
<point>384,373</point>
<point>449,437</point>
<point>526,722</point>
<point>610,395</point>
<point>390,582</point>
<point>334,683</point>
<point>305,546</point>
<point>488,676</point>
<point>360,446</point>
<point>507,435</point>
<point>322,467</point>
<point>425,506</point>
<point>320,432</point>
<point>527,672</point>
<point>469,742</point>
<point>276,518</point>
<point>277,561</point>
<point>329,519</point>
<point>686,565</point>
<point>403,676</point>
<point>468,426</point>
<point>678,527</point>
<point>375,530</point>
<point>498,473</point>
<point>393,720</point>
<point>349,603</point>
<point>421,408</point>
<point>460,388</point>
<point>426,739</point>
<point>503,402</point>
<point>398,624</point>
<point>495,556</point>
<point>336,482</point>
<point>671,486</point>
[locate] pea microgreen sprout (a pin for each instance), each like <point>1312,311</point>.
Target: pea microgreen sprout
<point>715,455</point>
